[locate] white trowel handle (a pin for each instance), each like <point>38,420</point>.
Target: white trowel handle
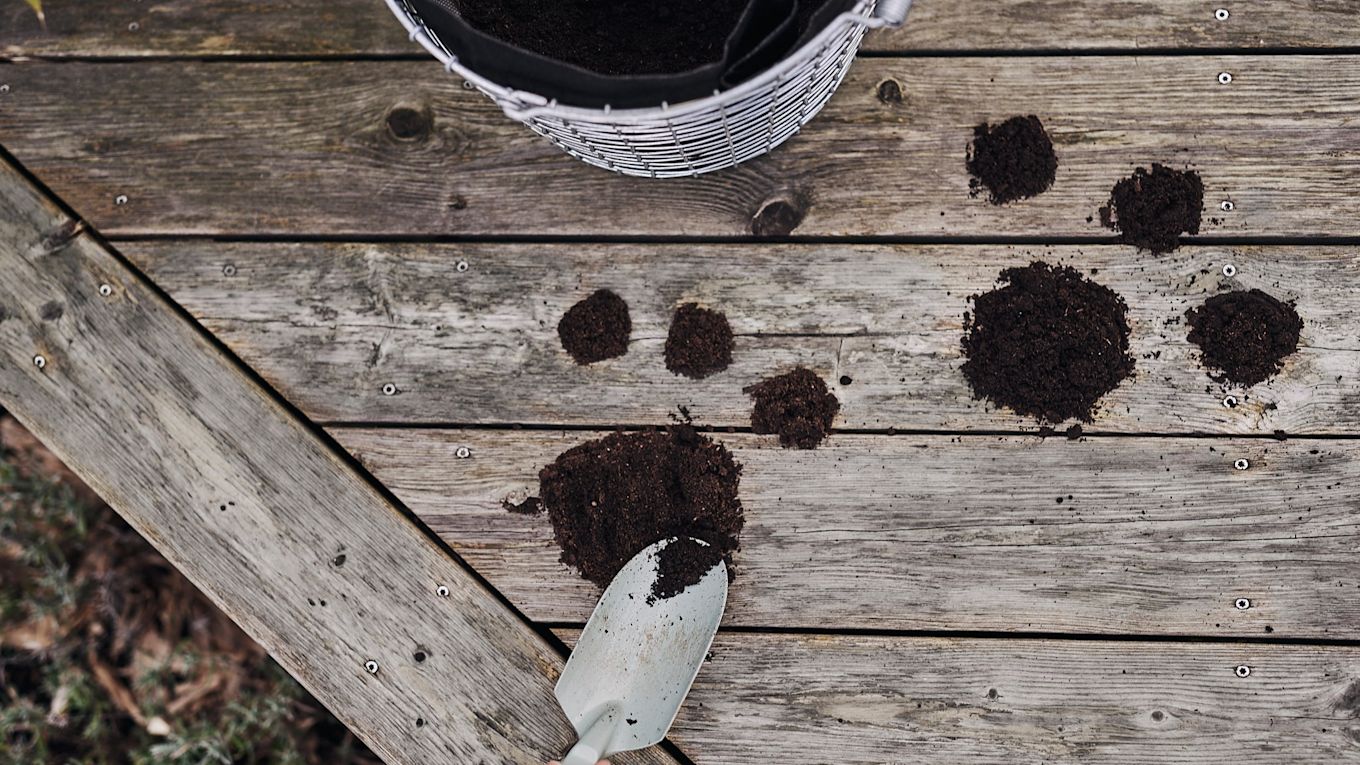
<point>590,749</point>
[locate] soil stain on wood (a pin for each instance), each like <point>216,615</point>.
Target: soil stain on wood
<point>699,343</point>
<point>1047,343</point>
<point>610,498</point>
<point>1013,160</point>
<point>797,406</point>
<point>1152,209</point>
<point>1246,335</point>
<point>596,328</point>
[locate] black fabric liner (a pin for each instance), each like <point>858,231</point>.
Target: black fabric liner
<point>768,31</point>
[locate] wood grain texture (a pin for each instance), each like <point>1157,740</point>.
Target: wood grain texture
<point>1009,534</point>
<point>303,148</point>
<point>258,512</point>
<point>820,700</point>
<point>330,324</point>
<point>364,27</point>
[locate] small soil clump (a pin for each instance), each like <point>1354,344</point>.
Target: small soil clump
<point>682,563</point>
<point>1152,209</point>
<point>1048,343</point>
<point>530,506</point>
<point>1245,334</point>
<point>613,38</point>
<point>596,328</point>
<point>699,343</point>
<point>1013,160</point>
<point>610,498</point>
<point>797,405</point>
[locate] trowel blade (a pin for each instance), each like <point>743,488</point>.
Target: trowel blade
<point>636,660</point>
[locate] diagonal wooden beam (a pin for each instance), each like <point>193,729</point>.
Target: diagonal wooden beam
<point>261,513</point>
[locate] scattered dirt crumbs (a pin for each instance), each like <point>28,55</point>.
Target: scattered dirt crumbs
<point>1152,209</point>
<point>796,405</point>
<point>1048,343</point>
<point>682,563</point>
<point>596,328</point>
<point>530,506</point>
<point>1245,334</point>
<point>610,498</point>
<point>1013,160</point>
<point>699,343</point>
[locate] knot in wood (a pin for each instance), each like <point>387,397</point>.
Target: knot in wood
<point>407,123</point>
<point>778,217</point>
<point>890,91</point>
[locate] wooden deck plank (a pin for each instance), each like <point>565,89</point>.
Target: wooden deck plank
<point>289,148</point>
<point>1155,536</point>
<point>364,27</point>
<point>331,324</point>
<point>259,512</point>
<point>874,701</point>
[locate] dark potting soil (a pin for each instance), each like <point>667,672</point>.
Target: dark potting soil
<point>699,343</point>
<point>1152,209</point>
<point>530,506</point>
<point>1246,335</point>
<point>596,328</point>
<point>610,498</point>
<point>1012,160</point>
<point>614,38</point>
<point>1048,343</point>
<point>682,563</point>
<point>796,405</point>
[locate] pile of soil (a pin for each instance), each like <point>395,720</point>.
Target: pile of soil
<point>1152,209</point>
<point>1013,160</point>
<point>610,498</point>
<point>682,563</point>
<point>796,405</point>
<point>1245,334</point>
<point>613,38</point>
<point>699,343</point>
<point>1048,343</point>
<point>596,328</point>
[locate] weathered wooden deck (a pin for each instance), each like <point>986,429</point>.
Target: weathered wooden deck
<point>911,592</point>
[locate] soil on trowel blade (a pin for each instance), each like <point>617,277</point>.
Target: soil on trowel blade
<point>682,563</point>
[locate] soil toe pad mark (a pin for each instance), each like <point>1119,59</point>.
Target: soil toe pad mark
<point>596,328</point>
<point>1152,209</point>
<point>699,343</point>
<point>611,497</point>
<point>796,405</point>
<point>1246,334</point>
<point>1013,160</point>
<point>1048,343</point>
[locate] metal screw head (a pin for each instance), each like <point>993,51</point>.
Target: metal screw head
<point>4,88</point>
<point>1226,205</point>
<point>442,591</point>
<point>462,266</point>
<point>1242,604</point>
<point>1221,14</point>
<point>105,290</point>
<point>1230,401</point>
<point>134,26</point>
<point>1241,463</point>
<point>40,361</point>
<point>1229,270</point>
<point>467,85</point>
<point>462,452</point>
<point>228,270</point>
<point>1224,78</point>
<point>371,666</point>
<point>389,390</point>
<point>1242,670</point>
<point>120,200</point>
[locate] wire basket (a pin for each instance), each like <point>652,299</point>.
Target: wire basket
<point>694,137</point>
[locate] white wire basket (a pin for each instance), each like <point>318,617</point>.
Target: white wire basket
<point>694,137</point>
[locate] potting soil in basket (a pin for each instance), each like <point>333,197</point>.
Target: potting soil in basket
<point>623,53</point>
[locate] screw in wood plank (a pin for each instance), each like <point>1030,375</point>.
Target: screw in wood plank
<point>1226,205</point>
<point>462,266</point>
<point>389,390</point>
<point>1243,670</point>
<point>1241,463</point>
<point>371,666</point>
<point>4,87</point>
<point>40,361</point>
<point>1224,78</point>
<point>1221,14</point>
<point>134,26</point>
<point>120,200</point>
<point>467,85</point>
<point>1229,270</point>
<point>228,270</point>
<point>462,452</point>
<point>1230,401</point>
<point>1242,604</point>
<point>105,290</point>
<point>442,591</point>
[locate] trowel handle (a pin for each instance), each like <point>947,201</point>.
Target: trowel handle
<point>590,749</point>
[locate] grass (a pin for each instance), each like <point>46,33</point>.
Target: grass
<point>108,656</point>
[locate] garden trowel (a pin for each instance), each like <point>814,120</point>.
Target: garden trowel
<point>637,659</point>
